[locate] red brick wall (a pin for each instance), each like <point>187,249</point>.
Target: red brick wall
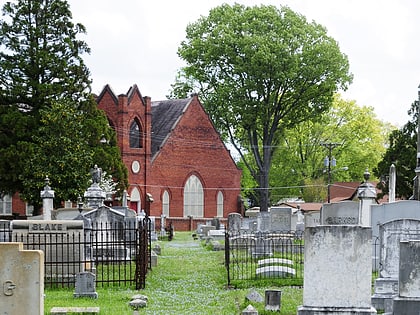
<point>194,147</point>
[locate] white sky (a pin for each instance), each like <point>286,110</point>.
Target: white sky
<point>136,42</point>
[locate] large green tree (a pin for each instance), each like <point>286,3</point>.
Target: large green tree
<point>260,70</point>
<point>401,152</point>
<point>49,123</point>
<point>357,138</point>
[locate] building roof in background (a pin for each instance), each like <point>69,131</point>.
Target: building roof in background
<point>165,115</point>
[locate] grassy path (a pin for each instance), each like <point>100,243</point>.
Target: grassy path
<point>188,279</point>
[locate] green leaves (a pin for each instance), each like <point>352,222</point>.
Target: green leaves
<point>259,71</point>
<point>49,122</point>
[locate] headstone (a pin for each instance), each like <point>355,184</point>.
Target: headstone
<point>272,300</point>
<point>263,222</point>
<point>206,228</point>
<point>21,279</point>
<point>217,234</point>
<point>250,310</point>
<point>312,218</point>
<point>403,209</point>
<point>408,300</point>
<point>153,259</point>
<point>391,234</point>
<point>337,270</point>
<point>340,213</point>
<point>85,285</point>
<point>262,246</point>
<point>111,241</point>
<point>216,222</point>
<point>234,222</point>
<point>280,219</point>
<point>254,296</point>
<point>300,220</point>
<point>62,262</point>
<point>275,271</point>
<point>162,225</point>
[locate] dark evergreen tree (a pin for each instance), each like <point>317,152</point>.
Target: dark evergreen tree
<point>49,123</point>
<point>402,152</point>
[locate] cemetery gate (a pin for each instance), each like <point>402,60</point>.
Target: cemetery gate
<point>118,253</point>
<point>276,256</point>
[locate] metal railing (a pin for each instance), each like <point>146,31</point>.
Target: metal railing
<point>274,256</point>
<point>118,254</point>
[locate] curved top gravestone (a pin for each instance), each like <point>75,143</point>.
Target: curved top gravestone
<point>391,233</point>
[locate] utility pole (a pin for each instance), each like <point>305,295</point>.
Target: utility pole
<point>328,162</point>
<point>416,192</point>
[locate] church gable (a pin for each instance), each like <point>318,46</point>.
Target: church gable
<point>165,116</point>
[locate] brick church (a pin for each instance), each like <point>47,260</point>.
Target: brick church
<point>177,163</point>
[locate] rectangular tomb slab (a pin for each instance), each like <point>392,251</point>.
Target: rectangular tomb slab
<point>21,279</point>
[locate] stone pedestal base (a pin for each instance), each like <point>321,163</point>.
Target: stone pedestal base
<point>386,289</point>
<point>383,302</point>
<point>305,310</point>
<point>406,306</point>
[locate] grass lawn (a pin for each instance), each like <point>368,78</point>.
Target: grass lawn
<point>189,279</point>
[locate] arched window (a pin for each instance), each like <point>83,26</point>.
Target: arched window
<point>6,204</point>
<point>220,200</point>
<point>165,203</point>
<point>136,139</point>
<point>193,197</point>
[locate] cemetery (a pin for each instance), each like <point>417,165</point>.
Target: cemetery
<point>332,255</point>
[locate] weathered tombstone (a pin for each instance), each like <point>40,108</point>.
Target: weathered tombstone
<point>254,296</point>
<point>262,246</point>
<point>280,219</point>
<point>408,300</point>
<point>337,270</point>
<point>85,285</point>
<point>206,228</point>
<point>404,209</point>
<point>312,218</point>
<point>300,220</point>
<point>391,234</point>
<point>22,280</point>
<point>63,262</point>
<point>216,222</point>
<point>272,300</point>
<point>153,234</point>
<point>263,222</point>
<point>340,213</point>
<point>234,222</point>
<point>109,242</point>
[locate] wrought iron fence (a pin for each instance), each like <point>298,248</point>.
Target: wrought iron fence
<point>118,254</point>
<point>255,256</point>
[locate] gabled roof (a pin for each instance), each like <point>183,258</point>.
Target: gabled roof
<point>165,115</point>
<point>107,89</point>
<point>340,191</point>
